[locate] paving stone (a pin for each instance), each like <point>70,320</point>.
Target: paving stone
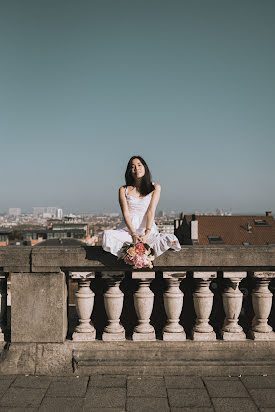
<point>105,398</point>
<point>183,382</point>
<point>188,397</point>
<point>226,389</point>
<point>257,382</point>
<point>22,397</point>
<point>192,410</point>
<point>264,398</point>
<point>7,378</point>
<point>147,405</point>
<point>71,379</point>
<point>234,404</point>
<point>220,378</point>
<point>4,385</point>
<point>32,382</point>
<point>91,409</point>
<point>69,387</point>
<point>107,381</point>
<point>61,404</point>
<point>267,409</point>
<point>146,386</point>
<point>7,409</point>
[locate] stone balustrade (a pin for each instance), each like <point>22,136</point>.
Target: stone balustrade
<point>173,298</point>
<point>199,293</point>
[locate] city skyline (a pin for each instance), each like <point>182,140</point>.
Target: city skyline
<point>68,211</point>
<point>187,85</point>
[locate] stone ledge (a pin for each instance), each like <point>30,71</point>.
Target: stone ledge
<point>94,258</point>
<point>129,357</point>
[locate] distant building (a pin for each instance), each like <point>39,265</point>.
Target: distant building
<point>56,231</point>
<point>38,211</point>
<point>165,228</point>
<point>52,211</point>
<point>59,213</point>
<point>4,236</point>
<point>47,212</point>
<point>225,230</point>
<point>161,213</point>
<point>14,211</point>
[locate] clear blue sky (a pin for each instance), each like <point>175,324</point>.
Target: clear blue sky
<point>189,85</point>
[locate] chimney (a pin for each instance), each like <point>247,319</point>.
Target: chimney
<point>194,228</point>
<point>268,213</point>
<point>176,224</point>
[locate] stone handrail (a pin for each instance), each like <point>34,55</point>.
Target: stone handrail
<point>84,258</point>
<point>39,278</point>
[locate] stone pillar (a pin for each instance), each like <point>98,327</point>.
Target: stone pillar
<point>232,299</point>
<point>3,304</point>
<point>113,302</point>
<point>262,303</point>
<point>84,301</point>
<point>203,302</point>
<point>173,302</point>
<point>143,301</point>
<point>39,307</point>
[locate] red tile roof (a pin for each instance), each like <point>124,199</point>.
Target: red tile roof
<point>234,229</point>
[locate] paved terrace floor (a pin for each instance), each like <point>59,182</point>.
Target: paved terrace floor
<point>117,393</point>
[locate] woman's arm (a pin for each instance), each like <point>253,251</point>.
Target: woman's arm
<point>150,214</point>
<point>125,213</point>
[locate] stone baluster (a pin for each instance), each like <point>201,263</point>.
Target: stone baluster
<point>84,296</point>
<point>3,304</point>
<point>173,302</point>
<point>203,302</point>
<point>143,301</point>
<point>232,299</point>
<point>262,303</point>
<point>113,302</point>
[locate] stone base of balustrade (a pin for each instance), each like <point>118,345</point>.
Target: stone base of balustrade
<point>203,336</point>
<point>174,337</point>
<point>233,336</point>
<point>113,337</point>
<point>143,337</point>
<point>84,336</point>
<point>261,335</point>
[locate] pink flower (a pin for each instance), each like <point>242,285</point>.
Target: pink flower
<point>129,260</point>
<point>140,248</point>
<point>140,261</point>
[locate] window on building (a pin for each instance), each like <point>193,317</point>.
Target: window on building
<point>50,235</point>
<point>3,238</point>
<point>260,222</point>
<point>60,235</point>
<point>215,239</point>
<point>246,243</point>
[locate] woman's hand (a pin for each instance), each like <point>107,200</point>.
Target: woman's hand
<point>144,238</point>
<point>135,238</point>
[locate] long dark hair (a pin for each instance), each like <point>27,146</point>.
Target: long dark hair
<point>146,186</point>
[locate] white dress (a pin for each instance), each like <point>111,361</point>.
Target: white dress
<point>113,240</point>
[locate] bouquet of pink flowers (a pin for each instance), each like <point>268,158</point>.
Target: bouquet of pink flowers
<point>140,255</point>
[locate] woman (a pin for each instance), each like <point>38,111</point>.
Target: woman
<point>138,200</point>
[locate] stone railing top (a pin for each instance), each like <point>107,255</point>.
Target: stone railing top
<point>93,258</point>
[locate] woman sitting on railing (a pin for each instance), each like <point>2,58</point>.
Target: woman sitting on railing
<point>138,201</point>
